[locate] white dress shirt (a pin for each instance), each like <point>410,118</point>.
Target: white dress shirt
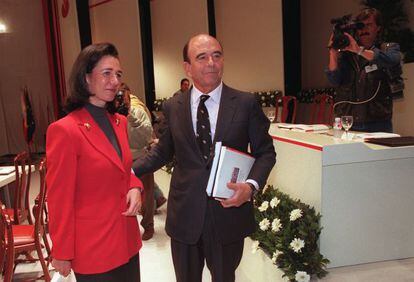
<point>212,105</point>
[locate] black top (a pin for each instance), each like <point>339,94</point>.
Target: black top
<point>99,115</point>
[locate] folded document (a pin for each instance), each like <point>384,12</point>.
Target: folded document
<point>303,127</point>
<point>229,165</point>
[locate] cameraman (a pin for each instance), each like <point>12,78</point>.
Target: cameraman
<point>360,73</point>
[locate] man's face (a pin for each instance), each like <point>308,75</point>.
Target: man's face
<point>206,62</point>
<point>185,85</point>
<point>369,33</point>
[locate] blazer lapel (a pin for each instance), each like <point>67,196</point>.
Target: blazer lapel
<point>226,112</point>
<point>187,124</point>
<point>97,138</point>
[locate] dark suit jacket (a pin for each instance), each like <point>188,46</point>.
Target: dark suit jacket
<point>240,123</point>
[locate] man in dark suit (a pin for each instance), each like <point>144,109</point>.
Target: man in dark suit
<point>202,228</point>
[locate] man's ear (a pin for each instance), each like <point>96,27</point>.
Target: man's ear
<point>187,68</point>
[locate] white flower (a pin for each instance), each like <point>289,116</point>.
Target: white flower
<point>276,255</point>
<point>264,224</point>
<point>297,244</point>
<point>295,214</point>
<point>302,276</point>
<point>276,225</point>
<point>255,246</point>
<point>263,207</point>
<point>274,202</point>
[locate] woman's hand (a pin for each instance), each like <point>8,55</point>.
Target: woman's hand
<point>62,266</point>
<point>133,199</point>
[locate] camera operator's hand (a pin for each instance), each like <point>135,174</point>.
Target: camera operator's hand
<point>360,50</point>
<point>353,45</point>
<point>333,55</point>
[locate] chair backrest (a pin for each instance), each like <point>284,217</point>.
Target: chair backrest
<point>6,245</point>
<point>38,209</point>
<point>23,173</point>
<point>322,109</point>
<point>287,102</point>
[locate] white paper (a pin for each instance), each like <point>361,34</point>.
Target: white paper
<point>60,278</point>
<point>376,135</point>
<point>212,178</point>
<point>304,127</point>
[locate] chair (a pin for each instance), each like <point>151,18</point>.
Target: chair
<point>286,101</point>
<point>21,207</point>
<point>28,238</point>
<point>322,109</point>
<point>6,246</point>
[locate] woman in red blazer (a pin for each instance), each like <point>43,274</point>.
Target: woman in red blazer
<point>93,198</point>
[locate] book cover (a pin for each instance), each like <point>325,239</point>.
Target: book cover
<point>229,165</point>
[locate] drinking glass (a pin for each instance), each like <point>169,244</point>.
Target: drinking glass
<point>270,113</point>
<point>347,122</point>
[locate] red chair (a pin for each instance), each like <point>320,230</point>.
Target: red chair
<point>6,246</point>
<point>21,207</point>
<point>286,101</point>
<point>322,109</point>
<point>29,238</point>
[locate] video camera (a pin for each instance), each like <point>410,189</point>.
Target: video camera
<point>342,25</point>
<point>120,105</point>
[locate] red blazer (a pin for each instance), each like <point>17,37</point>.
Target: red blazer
<point>87,187</point>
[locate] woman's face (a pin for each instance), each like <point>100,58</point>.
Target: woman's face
<point>104,81</point>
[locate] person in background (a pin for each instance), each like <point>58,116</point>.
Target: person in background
<point>140,137</point>
<point>93,198</point>
<point>203,229</point>
<point>361,73</point>
<point>184,86</point>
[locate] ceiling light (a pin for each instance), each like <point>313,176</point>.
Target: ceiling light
<point>2,28</point>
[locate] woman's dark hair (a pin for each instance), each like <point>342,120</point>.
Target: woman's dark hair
<point>86,61</point>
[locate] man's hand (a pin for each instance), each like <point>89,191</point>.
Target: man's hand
<point>62,266</point>
<point>134,202</point>
<point>242,194</point>
<point>353,45</point>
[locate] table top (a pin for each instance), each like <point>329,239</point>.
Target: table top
<point>9,178</point>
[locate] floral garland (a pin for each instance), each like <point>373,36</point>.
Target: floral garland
<point>158,104</point>
<point>288,232</point>
<point>268,98</point>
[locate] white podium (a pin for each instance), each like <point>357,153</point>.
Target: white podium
<point>365,193</point>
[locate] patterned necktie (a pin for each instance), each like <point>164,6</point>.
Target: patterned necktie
<point>203,128</point>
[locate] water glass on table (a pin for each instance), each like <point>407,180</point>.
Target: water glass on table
<point>347,122</point>
<point>271,114</point>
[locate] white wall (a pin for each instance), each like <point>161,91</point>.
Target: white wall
<point>24,62</point>
<point>69,35</point>
<point>315,31</point>
<point>173,23</point>
<point>118,22</point>
<point>403,119</point>
<point>251,33</point>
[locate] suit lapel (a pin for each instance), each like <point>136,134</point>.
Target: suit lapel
<point>97,138</point>
<point>187,124</point>
<point>226,112</point>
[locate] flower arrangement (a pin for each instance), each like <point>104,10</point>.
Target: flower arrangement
<point>158,104</point>
<point>268,98</point>
<point>288,232</point>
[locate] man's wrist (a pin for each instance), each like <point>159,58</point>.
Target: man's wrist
<point>361,50</point>
<point>253,188</point>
